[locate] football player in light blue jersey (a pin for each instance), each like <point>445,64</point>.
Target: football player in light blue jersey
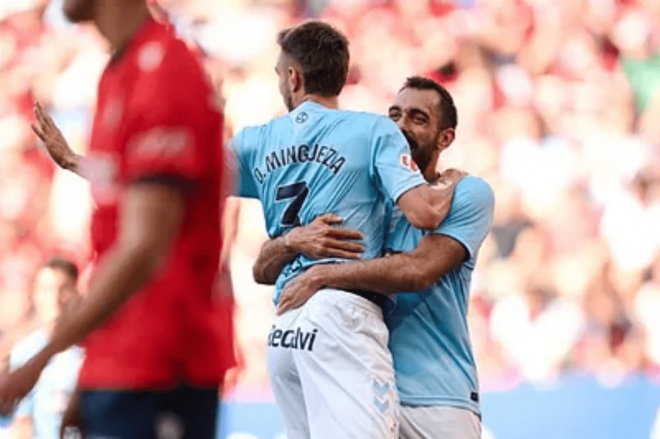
<point>39,415</point>
<point>429,339</point>
<point>330,369</point>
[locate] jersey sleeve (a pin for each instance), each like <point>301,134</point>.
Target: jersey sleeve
<point>240,154</point>
<point>172,125</point>
<point>390,161</point>
<point>471,214</point>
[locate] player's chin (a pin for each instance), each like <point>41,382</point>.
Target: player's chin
<point>78,11</point>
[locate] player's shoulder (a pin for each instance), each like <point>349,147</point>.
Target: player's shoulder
<point>366,119</point>
<point>364,115</point>
<point>476,191</point>
<point>27,347</point>
<point>258,135</point>
<point>162,55</point>
<point>278,124</point>
<point>365,125</point>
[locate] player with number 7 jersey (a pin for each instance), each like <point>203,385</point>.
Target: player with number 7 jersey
<point>316,160</point>
<point>329,365</point>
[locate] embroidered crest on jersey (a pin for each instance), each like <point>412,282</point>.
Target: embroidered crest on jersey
<point>409,163</point>
<point>302,117</point>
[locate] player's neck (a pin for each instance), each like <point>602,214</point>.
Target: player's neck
<point>119,24</point>
<point>328,102</point>
<point>432,176</point>
<point>431,173</point>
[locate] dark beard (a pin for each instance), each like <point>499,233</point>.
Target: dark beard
<point>421,155</point>
<point>411,142</point>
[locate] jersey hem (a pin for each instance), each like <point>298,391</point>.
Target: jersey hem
<point>103,376</point>
<point>151,385</point>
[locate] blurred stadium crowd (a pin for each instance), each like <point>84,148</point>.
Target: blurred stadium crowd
<point>559,109</point>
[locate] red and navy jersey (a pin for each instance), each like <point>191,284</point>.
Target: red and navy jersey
<point>157,118</point>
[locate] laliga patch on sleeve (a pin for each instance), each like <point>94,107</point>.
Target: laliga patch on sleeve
<point>409,163</point>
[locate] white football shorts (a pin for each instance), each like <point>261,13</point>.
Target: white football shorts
<point>439,422</point>
<point>331,371</point>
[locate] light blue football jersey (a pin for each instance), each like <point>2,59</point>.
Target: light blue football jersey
<point>317,160</point>
<point>429,336</point>
<point>46,403</point>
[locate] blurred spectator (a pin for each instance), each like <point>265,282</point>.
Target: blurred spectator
<point>39,415</point>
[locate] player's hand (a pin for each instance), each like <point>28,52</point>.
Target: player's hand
<point>72,418</point>
<point>56,144</point>
<point>443,193</point>
<point>299,290</point>
<point>320,239</point>
<point>17,384</point>
<point>451,177</point>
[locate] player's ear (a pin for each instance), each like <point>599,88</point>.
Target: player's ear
<point>446,138</point>
<point>295,79</point>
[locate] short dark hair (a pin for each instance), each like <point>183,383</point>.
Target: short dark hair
<point>447,106</point>
<point>64,265</point>
<point>322,53</point>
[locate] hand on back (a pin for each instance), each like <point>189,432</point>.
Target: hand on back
<point>322,239</point>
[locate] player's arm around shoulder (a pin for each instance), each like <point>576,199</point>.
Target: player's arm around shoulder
<point>460,235</point>
<point>424,205</point>
<point>392,170</point>
<point>456,241</point>
<point>471,214</point>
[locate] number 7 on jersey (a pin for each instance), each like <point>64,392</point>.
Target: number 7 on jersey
<point>297,193</point>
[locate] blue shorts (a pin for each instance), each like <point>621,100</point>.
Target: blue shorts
<point>185,413</point>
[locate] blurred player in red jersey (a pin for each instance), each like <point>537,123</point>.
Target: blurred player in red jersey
<point>156,345</point>
<point>231,209</point>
